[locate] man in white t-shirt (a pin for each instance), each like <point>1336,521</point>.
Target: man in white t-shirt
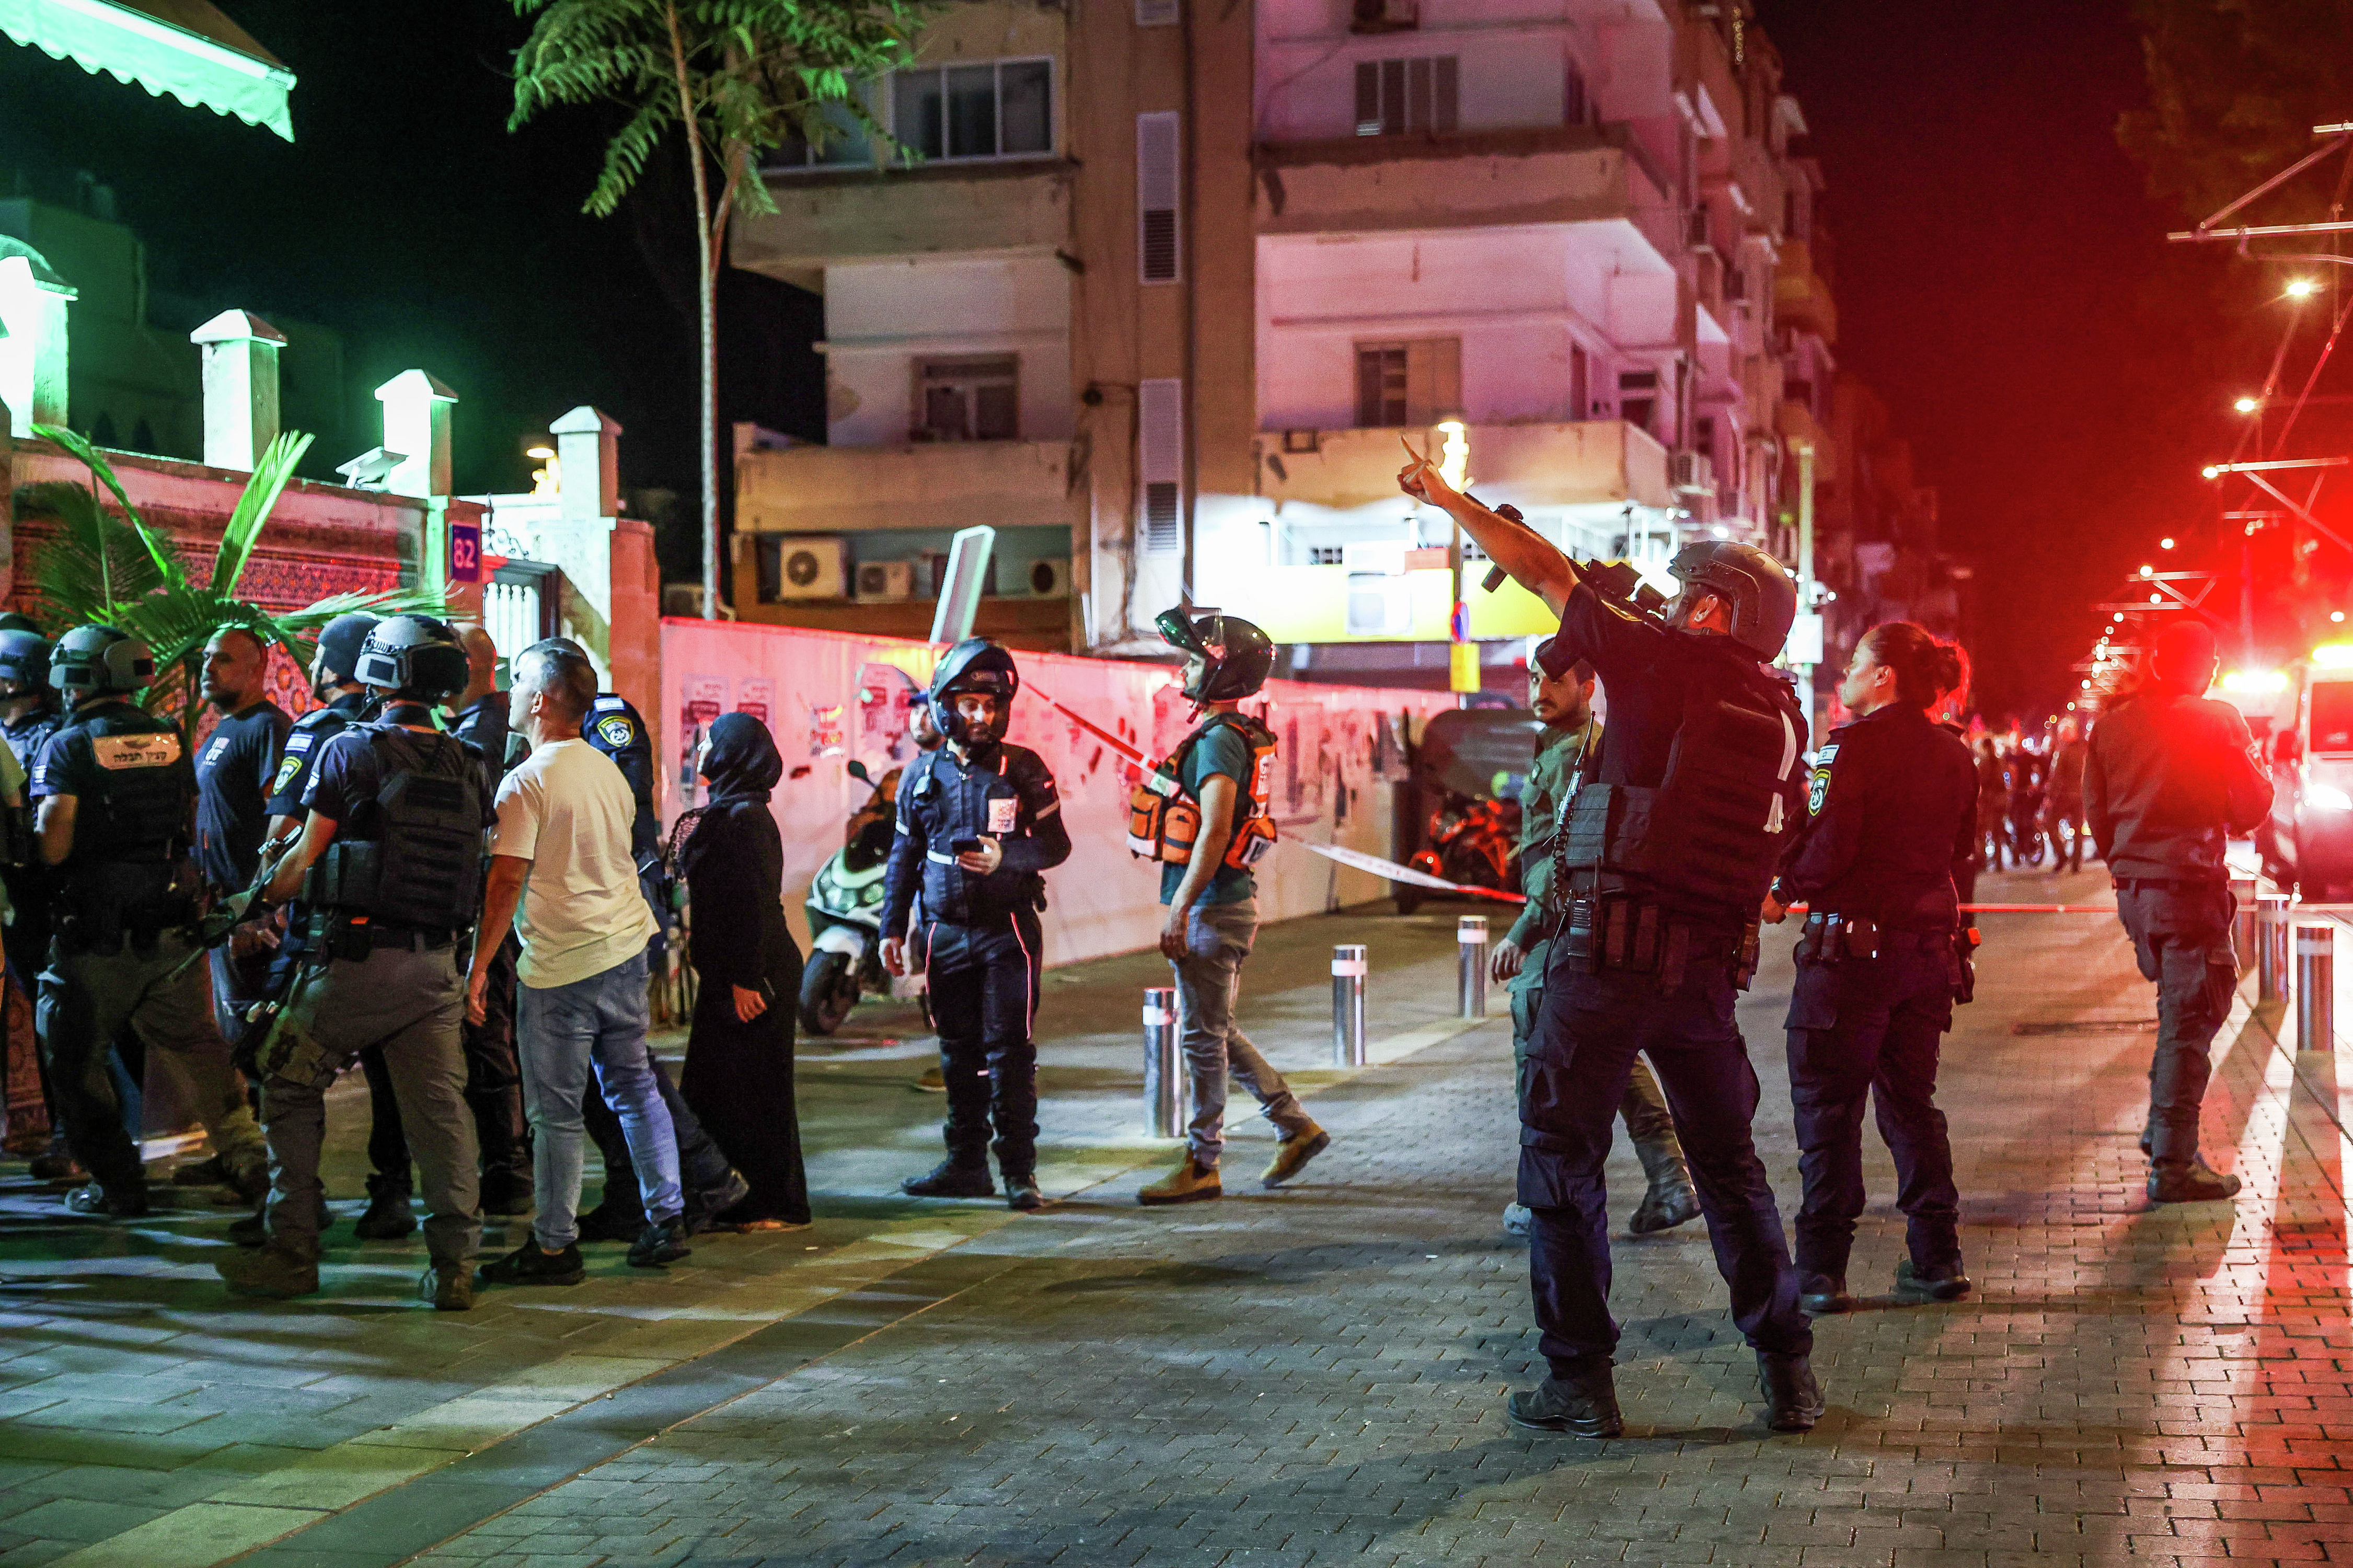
<point>561,872</point>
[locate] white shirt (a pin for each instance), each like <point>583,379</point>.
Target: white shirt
<point>568,810</point>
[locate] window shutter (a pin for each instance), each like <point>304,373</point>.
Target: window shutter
<point>1156,195</point>
<point>1157,12</point>
<point>1160,460</point>
<point>1368,98</point>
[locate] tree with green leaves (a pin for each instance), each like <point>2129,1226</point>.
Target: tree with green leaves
<point>118,572</point>
<point>738,78</point>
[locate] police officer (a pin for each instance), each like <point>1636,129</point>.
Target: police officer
<point>1567,750</point>
<point>979,819</point>
<point>115,795</point>
<point>1890,817</point>
<point>29,717</point>
<point>389,861</point>
<point>1205,815</point>
<point>2168,777</point>
<point>235,773</point>
<point>1665,860</point>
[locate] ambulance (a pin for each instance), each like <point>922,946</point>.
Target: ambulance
<point>2307,843</point>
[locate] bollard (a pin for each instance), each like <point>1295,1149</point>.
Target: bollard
<point>2242,921</point>
<point>1348,1005</point>
<point>2316,988</point>
<point>1470,979</point>
<point>1165,1071</point>
<point>2271,947</point>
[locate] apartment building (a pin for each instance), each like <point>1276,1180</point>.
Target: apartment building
<point>1156,288</point>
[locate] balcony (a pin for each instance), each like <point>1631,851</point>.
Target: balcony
<point>1801,295</point>
<point>826,216</point>
<point>949,484</point>
<point>1550,175</point>
<point>1596,462</point>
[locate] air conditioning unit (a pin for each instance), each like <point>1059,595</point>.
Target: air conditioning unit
<point>1051,579</point>
<point>886,579</point>
<point>1384,15</point>
<point>812,568</point>
<point>1690,473</point>
<point>1379,606</point>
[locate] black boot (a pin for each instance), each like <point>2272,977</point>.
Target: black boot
<point>388,1217</point>
<point>1793,1400</point>
<point>1915,1285</point>
<point>1667,1204</point>
<point>949,1180</point>
<point>1586,1404</point>
<point>1820,1295</point>
<point>1021,1192</point>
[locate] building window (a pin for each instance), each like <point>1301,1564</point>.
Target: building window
<point>1160,461</point>
<point>1638,396</point>
<point>844,141</point>
<point>1580,382</point>
<point>967,399</point>
<point>993,108</point>
<point>1414,381</point>
<point>1398,97</point>
<point>1326,554</point>
<point>1576,101</point>
<point>1156,196</point>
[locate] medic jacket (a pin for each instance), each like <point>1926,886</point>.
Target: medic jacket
<point>1890,811</point>
<point>1006,792</point>
<point>2167,775</point>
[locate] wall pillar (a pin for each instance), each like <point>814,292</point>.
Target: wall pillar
<point>32,344</point>
<point>416,426</point>
<point>588,452</point>
<point>240,381</point>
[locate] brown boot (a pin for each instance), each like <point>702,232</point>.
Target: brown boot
<point>1292,1155</point>
<point>1190,1183</point>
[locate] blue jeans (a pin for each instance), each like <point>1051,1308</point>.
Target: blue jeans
<point>564,1029</point>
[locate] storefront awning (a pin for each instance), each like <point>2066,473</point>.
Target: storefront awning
<point>183,47</point>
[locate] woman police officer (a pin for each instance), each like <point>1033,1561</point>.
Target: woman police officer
<point>1891,820</point>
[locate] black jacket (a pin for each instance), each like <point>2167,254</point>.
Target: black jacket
<point>1890,810</point>
<point>1006,792</point>
<point>2167,778</point>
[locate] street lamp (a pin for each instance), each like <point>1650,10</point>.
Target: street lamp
<point>2246,404</point>
<point>2302,287</point>
<point>2165,544</point>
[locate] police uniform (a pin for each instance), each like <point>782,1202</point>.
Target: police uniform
<point>386,904</point>
<point>1891,812</point>
<point>31,886</point>
<point>493,1064</point>
<point>126,900</point>
<point>1563,753</point>
<point>981,940</point>
<point>1665,859</point>
<point>236,771</point>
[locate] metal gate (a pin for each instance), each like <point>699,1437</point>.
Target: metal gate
<point>519,606</point>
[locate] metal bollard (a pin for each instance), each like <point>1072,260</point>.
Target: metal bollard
<point>1165,1074</point>
<point>1348,1005</point>
<point>2242,923</point>
<point>1471,961</point>
<point>2271,947</point>
<point>2316,988</point>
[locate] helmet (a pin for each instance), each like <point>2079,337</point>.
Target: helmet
<point>975,664</point>
<point>92,660</point>
<point>340,641</point>
<point>416,657</point>
<point>24,655</point>
<point>13,622</point>
<point>1764,601</point>
<point>1236,656</point>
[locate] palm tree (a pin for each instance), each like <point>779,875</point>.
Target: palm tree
<point>743,78</point>
<point>117,571</point>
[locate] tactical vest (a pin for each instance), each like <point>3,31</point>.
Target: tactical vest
<point>1711,832</point>
<point>1164,821</point>
<point>137,810</point>
<point>412,856</point>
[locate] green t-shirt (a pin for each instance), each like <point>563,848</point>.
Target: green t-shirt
<point>1224,750</point>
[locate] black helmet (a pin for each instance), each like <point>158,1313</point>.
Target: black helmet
<point>975,664</point>
<point>93,661</point>
<point>340,641</point>
<point>414,657</point>
<point>1236,656</point>
<point>1764,601</point>
<point>24,655</point>
<point>13,622</point>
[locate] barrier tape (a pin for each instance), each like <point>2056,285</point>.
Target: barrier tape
<point>1394,872</point>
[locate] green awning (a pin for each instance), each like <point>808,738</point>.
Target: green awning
<point>184,48</point>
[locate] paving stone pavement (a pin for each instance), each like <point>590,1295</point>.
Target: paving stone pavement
<point>1282,1378</point>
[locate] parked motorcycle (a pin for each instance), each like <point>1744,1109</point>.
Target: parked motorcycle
<point>845,911</point>
<point>1474,841</point>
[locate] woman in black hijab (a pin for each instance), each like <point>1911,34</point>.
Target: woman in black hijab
<point>739,1058</point>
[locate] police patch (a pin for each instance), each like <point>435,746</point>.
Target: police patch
<point>286,772</point>
<point>117,753</point>
<point>1818,787</point>
<point>616,730</point>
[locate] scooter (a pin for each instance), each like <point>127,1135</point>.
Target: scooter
<point>1472,842</point>
<point>845,911</point>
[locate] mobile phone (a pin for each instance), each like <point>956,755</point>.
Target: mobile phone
<point>966,847</point>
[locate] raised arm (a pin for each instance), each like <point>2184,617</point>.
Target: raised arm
<point>1531,560</point>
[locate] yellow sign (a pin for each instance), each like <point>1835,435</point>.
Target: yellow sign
<point>1462,667</point>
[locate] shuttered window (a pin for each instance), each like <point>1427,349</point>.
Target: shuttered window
<point>1418,381</point>
<point>1160,461</point>
<point>1395,97</point>
<point>1156,196</point>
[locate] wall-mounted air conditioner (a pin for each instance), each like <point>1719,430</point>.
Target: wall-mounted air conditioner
<point>1051,579</point>
<point>886,579</point>
<point>811,568</point>
<point>1690,473</point>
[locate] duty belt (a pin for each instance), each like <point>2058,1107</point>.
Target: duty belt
<point>1827,937</point>
<point>1628,935</point>
<point>2170,884</point>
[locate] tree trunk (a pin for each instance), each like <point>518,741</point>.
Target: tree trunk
<point>706,322</point>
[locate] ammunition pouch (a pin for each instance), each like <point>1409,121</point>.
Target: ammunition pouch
<point>345,876</point>
<point>117,900</point>
<point>1602,932</point>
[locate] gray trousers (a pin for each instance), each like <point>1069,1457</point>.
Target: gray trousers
<point>413,1004</point>
<point>93,1003</point>
<point>1217,938</point>
<point>2181,936</point>
<point>1643,1108</point>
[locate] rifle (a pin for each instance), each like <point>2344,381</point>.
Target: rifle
<point>233,912</point>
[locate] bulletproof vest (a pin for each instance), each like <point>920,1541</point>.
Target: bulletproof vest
<point>137,811</point>
<point>1164,820</point>
<point>413,855</point>
<point>1711,833</point>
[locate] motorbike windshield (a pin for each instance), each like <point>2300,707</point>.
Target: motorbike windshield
<point>1467,750</point>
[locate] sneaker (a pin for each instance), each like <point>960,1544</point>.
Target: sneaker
<point>2189,1181</point>
<point>1517,1221</point>
<point>931,1081</point>
<point>388,1215</point>
<point>606,1222</point>
<point>1824,1295</point>
<point>1793,1400</point>
<point>1666,1206</point>
<point>704,1206</point>
<point>1190,1183</point>
<point>659,1244</point>
<point>527,1264</point>
<point>949,1180</point>
<point>507,1192</point>
<point>98,1203</point>
<point>1021,1192</point>
<point>57,1165</point>
<point>1915,1284</point>
<point>1586,1406</point>
<point>449,1290</point>
<point>1292,1155</point>
<point>270,1271</point>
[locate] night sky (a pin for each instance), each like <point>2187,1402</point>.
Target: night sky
<point>2003,278</point>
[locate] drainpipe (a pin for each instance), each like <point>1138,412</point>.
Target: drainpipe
<point>1805,568</point>
<point>1187,247</point>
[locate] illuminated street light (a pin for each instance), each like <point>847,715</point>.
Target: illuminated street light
<point>2246,405</point>
<point>2165,544</point>
<point>2302,287</point>
<point>2209,471</point>
<point>2337,615</point>
<point>2148,570</point>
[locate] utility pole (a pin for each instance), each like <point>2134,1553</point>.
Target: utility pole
<point>1806,576</point>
